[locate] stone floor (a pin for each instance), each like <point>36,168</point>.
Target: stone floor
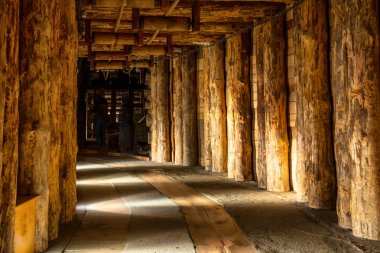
<point>118,211</point>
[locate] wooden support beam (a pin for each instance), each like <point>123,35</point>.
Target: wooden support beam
<point>135,19</point>
<point>140,38</point>
<point>177,111</point>
<point>196,17</point>
<point>87,32</point>
<point>148,50</point>
<point>114,38</point>
<point>165,4</point>
<point>315,165</point>
<point>130,4</point>
<point>154,113</point>
<point>9,119</point>
<point>109,56</point>
<point>169,45</point>
<point>110,65</point>
<point>170,24</point>
<point>238,109</point>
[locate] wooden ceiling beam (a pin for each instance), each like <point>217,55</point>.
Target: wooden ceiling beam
<point>148,50</point>
<point>171,24</point>
<point>114,38</point>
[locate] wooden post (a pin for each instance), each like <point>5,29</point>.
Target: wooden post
<point>275,103</point>
<point>218,118</point>
<point>34,110</point>
<point>189,110</point>
<point>341,73</point>
<point>177,110</point>
<point>135,19</point>
<point>9,94</point>
<point>261,164</point>
<point>68,117</point>
<point>162,122</point>
<point>314,145</point>
<point>153,96</point>
<point>196,17</point>
<point>355,63</point>
<point>238,109</point>
<point>206,107</point>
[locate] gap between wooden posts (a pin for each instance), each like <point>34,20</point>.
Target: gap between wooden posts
<point>211,228</point>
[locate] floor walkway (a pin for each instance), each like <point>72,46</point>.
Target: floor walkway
<point>126,205</point>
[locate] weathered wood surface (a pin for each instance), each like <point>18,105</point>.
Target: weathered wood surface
<point>275,103</point>
<point>189,110</point>
<point>239,123</point>
<point>34,110</point>
<point>177,110</point>
<point>200,105</point>
<point>162,120</point>
<point>68,108</point>
<point>341,72</point>
<point>261,168</point>
<point>9,120</point>
<point>218,117</point>
<point>315,165</point>
<point>172,24</point>
<point>55,137</point>
<point>153,96</point>
<point>363,93</point>
<point>206,107</point>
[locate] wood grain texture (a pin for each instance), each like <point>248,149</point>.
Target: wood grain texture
<point>206,107</point>
<point>177,111</point>
<point>153,128</point>
<point>9,119</point>
<point>238,99</point>
<point>218,116</point>
<point>34,110</point>
<point>275,103</point>
<point>315,165</point>
<point>189,110</point>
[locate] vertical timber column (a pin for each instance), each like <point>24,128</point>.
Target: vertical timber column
<point>238,108</point>
<point>68,110</point>
<point>341,73</point>
<point>261,164</point>
<point>275,102</point>
<point>153,96</point>
<point>206,107</point>
<point>189,109</point>
<point>162,104</point>
<point>9,94</point>
<point>218,117</point>
<point>314,145</point>
<point>364,121</point>
<point>34,110</point>
<point>55,136</point>
<point>177,110</point>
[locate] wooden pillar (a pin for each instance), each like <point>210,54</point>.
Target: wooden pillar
<point>218,118</point>
<point>162,120</point>
<point>355,67</point>
<point>238,108</point>
<point>206,107</point>
<point>153,96</point>
<point>189,110</point>
<point>9,94</point>
<point>177,110</point>
<point>55,136</point>
<point>34,110</point>
<point>261,167</point>
<point>68,108</point>
<point>275,103</point>
<point>315,154</point>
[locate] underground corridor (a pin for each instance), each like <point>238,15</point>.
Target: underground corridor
<point>189,126</point>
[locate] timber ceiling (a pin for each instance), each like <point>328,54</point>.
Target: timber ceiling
<point>120,34</point>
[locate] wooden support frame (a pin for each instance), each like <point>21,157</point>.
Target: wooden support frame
<point>165,4</point>
<point>196,17</point>
<point>140,38</point>
<point>169,45</point>
<point>135,19</point>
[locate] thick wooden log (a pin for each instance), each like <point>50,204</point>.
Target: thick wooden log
<point>206,107</point>
<point>238,108</point>
<point>55,137</point>
<point>169,24</point>
<point>218,118</point>
<point>189,110</point>
<point>275,103</point>
<point>162,122</point>
<point>261,164</point>
<point>148,50</point>
<point>177,110</point>
<point>153,96</point>
<point>9,94</point>
<point>114,38</point>
<point>68,117</point>
<point>341,72</point>
<point>315,164</point>
<point>130,4</point>
<point>110,65</point>
<point>34,110</point>
<point>109,56</point>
